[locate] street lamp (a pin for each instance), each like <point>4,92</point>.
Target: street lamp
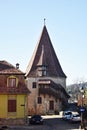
<point>82,106</point>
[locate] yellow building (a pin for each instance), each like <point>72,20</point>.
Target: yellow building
<point>86,97</point>
<point>13,94</point>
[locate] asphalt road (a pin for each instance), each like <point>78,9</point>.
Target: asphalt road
<point>50,123</point>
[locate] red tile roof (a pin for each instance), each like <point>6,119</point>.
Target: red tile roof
<point>7,68</point>
<point>14,90</point>
<point>44,54</point>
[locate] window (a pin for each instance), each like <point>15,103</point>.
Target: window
<point>12,105</point>
<point>39,100</point>
<point>42,70</point>
<point>12,82</point>
<point>34,85</point>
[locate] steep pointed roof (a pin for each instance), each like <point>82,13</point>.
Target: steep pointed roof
<point>44,54</point>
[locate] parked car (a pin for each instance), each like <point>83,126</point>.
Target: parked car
<point>75,118</point>
<point>36,119</point>
<point>67,115</point>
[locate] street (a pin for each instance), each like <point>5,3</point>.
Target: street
<point>50,123</point>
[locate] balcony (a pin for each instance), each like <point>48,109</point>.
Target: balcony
<point>49,91</point>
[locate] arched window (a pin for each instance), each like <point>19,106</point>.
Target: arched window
<point>12,81</point>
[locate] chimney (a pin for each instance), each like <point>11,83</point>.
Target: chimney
<point>17,65</point>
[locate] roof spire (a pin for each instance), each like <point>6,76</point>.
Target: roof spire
<point>44,21</point>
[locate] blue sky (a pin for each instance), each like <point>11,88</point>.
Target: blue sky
<point>21,23</point>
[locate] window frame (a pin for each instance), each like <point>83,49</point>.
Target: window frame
<point>13,83</point>
<point>34,85</point>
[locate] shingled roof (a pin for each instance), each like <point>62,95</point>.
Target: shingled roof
<point>7,68</point>
<point>44,54</point>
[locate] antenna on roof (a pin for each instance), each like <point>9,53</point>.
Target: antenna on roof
<point>44,21</point>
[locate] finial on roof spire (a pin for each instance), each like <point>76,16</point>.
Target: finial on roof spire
<point>44,21</point>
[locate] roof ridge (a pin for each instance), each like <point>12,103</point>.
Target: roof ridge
<point>6,67</point>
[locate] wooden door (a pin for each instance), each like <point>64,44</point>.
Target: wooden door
<point>51,105</point>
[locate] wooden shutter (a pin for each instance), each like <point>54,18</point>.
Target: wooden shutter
<point>11,105</point>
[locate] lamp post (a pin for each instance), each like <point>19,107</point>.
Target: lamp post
<point>82,108</point>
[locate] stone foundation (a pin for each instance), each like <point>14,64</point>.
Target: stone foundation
<point>11,121</point>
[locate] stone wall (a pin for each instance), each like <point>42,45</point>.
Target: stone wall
<point>33,106</point>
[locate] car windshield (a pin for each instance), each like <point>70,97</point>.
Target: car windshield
<point>68,113</point>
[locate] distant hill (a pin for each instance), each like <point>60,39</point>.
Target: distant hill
<point>77,86</point>
<point>74,89</point>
